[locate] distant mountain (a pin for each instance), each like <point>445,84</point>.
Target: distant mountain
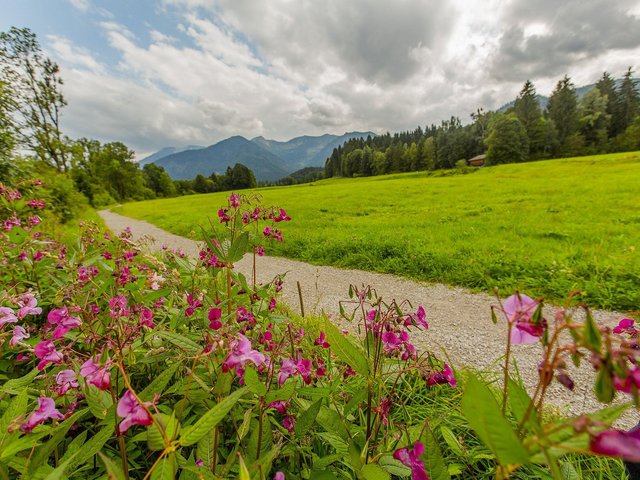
<point>216,158</point>
<point>269,160</point>
<point>307,151</point>
<point>166,152</point>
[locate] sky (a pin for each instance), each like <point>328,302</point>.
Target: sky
<point>163,73</point>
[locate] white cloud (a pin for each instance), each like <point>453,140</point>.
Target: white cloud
<point>82,5</point>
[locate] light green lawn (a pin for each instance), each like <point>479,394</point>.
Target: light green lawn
<point>542,227</point>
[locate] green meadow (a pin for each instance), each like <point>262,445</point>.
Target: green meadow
<point>545,228</point>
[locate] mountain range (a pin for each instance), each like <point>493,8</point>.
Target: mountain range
<point>269,160</point>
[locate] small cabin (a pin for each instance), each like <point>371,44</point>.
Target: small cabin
<point>477,161</point>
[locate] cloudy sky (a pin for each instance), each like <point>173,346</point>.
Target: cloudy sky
<point>179,72</point>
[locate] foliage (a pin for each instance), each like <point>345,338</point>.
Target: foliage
<point>120,364</point>
<point>34,100</point>
<point>507,141</point>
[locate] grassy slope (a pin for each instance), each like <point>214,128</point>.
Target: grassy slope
<point>544,227</point>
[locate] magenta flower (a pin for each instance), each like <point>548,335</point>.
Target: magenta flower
<point>222,214</point>
<point>283,217</point>
<point>280,405</point>
<point>63,321</point>
<point>631,380</point>
<point>66,380</point>
<point>616,443</point>
<point>146,318</point>
<point>411,459</point>
<point>214,318</point>
<point>519,309</point>
<point>321,340</point>
<point>390,341</point>
<point>47,353</point>
<point>46,409</point>
<point>444,376</point>
<point>96,375</point>
<point>626,326</point>
<point>242,353</point>
<point>279,476</point>
<point>133,413</point>
<point>289,423</point>
<point>199,462</point>
<point>28,306</point>
<point>234,200</point>
<point>19,334</point>
<point>118,307</point>
<point>418,318</point>
<point>193,304</point>
<point>7,315</point>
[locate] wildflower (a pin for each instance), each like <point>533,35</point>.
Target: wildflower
<point>411,459</point>
<point>279,476</point>
<point>390,341</point>
<point>199,462</point>
<point>7,315</point>
<point>260,250</point>
<point>616,443</point>
<point>444,376</point>
<point>222,214</point>
<point>383,410</point>
<point>36,203</point>
<point>97,375</point>
<point>418,318</point>
<point>280,405</point>
<point>289,422</point>
<point>46,409</point>
<point>214,318</point>
<point>146,318</point>
<point>267,231</point>
<point>349,372</point>
<point>288,368</point>
<point>632,380</point>
<point>34,220</point>
<point>63,321</point>
<point>283,217</point>
<point>19,334</point>
<point>193,304</point>
<point>234,200</point>
<point>242,353</point>
<point>66,380</point>
<point>118,307</point>
<point>321,340</point>
<point>626,326</point>
<point>519,309</point>
<point>47,353</point>
<point>272,304</point>
<point>133,413</point>
<point>28,306</point>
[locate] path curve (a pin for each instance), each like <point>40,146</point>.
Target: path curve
<point>460,321</point>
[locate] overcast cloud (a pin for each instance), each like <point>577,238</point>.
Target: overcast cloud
<point>178,72</point>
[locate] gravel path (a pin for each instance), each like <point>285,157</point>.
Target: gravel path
<point>460,321</point>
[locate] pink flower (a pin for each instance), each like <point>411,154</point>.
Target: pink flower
<point>280,405</point>
<point>631,380</point>
<point>28,306</point>
<point>146,318</point>
<point>97,375</point>
<point>283,217</point>
<point>214,319</point>
<point>132,412</point>
<point>46,409</point>
<point>260,250</point>
<point>66,380</point>
<point>193,304</point>
<point>242,353</point>
<point>63,321</point>
<point>234,200</point>
<point>118,307</point>
<point>411,459</point>
<point>321,340</point>
<point>444,376</point>
<point>199,462</point>
<point>279,476</point>
<point>616,443</point>
<point>349,372</point>
<point>7,315</point>
<point>47,353</point>
<point>418,318</point>
<point>19,334</point>
<point>626,326</point>
<point>519,309</point>
<point>390,341</point>
<point>289,423</point>
<point>222,214</point>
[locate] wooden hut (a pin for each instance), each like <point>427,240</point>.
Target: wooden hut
<point>477,161</point>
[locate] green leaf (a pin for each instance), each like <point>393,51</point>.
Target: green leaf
<point>171,427</point>
<point>212,246</point>
<point>17,407</point>
<point>238,248</point>
<point>205,449</point>
<point>484,416</point>
<point>16,385</point>
<point>244,471</point>
<point>253,383</point>
<point>159,383</point>
<point>98,400</point>
<point>114,470</point>
<point>93,445</point>
<point>210,419</point>
<point>519,402</point>
<point>591,333</point>
<point>306,418</point>
<point>246,422</point>
<point>322,475</point>
<point>432,457</point>
<point>345,349</point>
<point>371,471</point>
<point>451,440</point>
<point>283,393</point>
<point>393,466</point>
<point>165,469</point>
<point>180,341</point>
<point>23,443</point>
<point>604,387</point>
<point>569,472</point>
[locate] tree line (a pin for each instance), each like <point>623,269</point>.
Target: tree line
<point>605,119</point>
<point>31,103</point>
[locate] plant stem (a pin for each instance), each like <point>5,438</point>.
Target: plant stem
<point>260,419</point>
<point>506,369</point>
<point>215,449</point>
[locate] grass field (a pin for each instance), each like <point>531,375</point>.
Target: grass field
<point>544,228</point>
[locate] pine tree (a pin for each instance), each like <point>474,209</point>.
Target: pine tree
<point>607,87</point>
<point>628,101</point>
<point>563,110</point>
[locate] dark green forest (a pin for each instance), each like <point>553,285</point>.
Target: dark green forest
<point>606,119</point>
